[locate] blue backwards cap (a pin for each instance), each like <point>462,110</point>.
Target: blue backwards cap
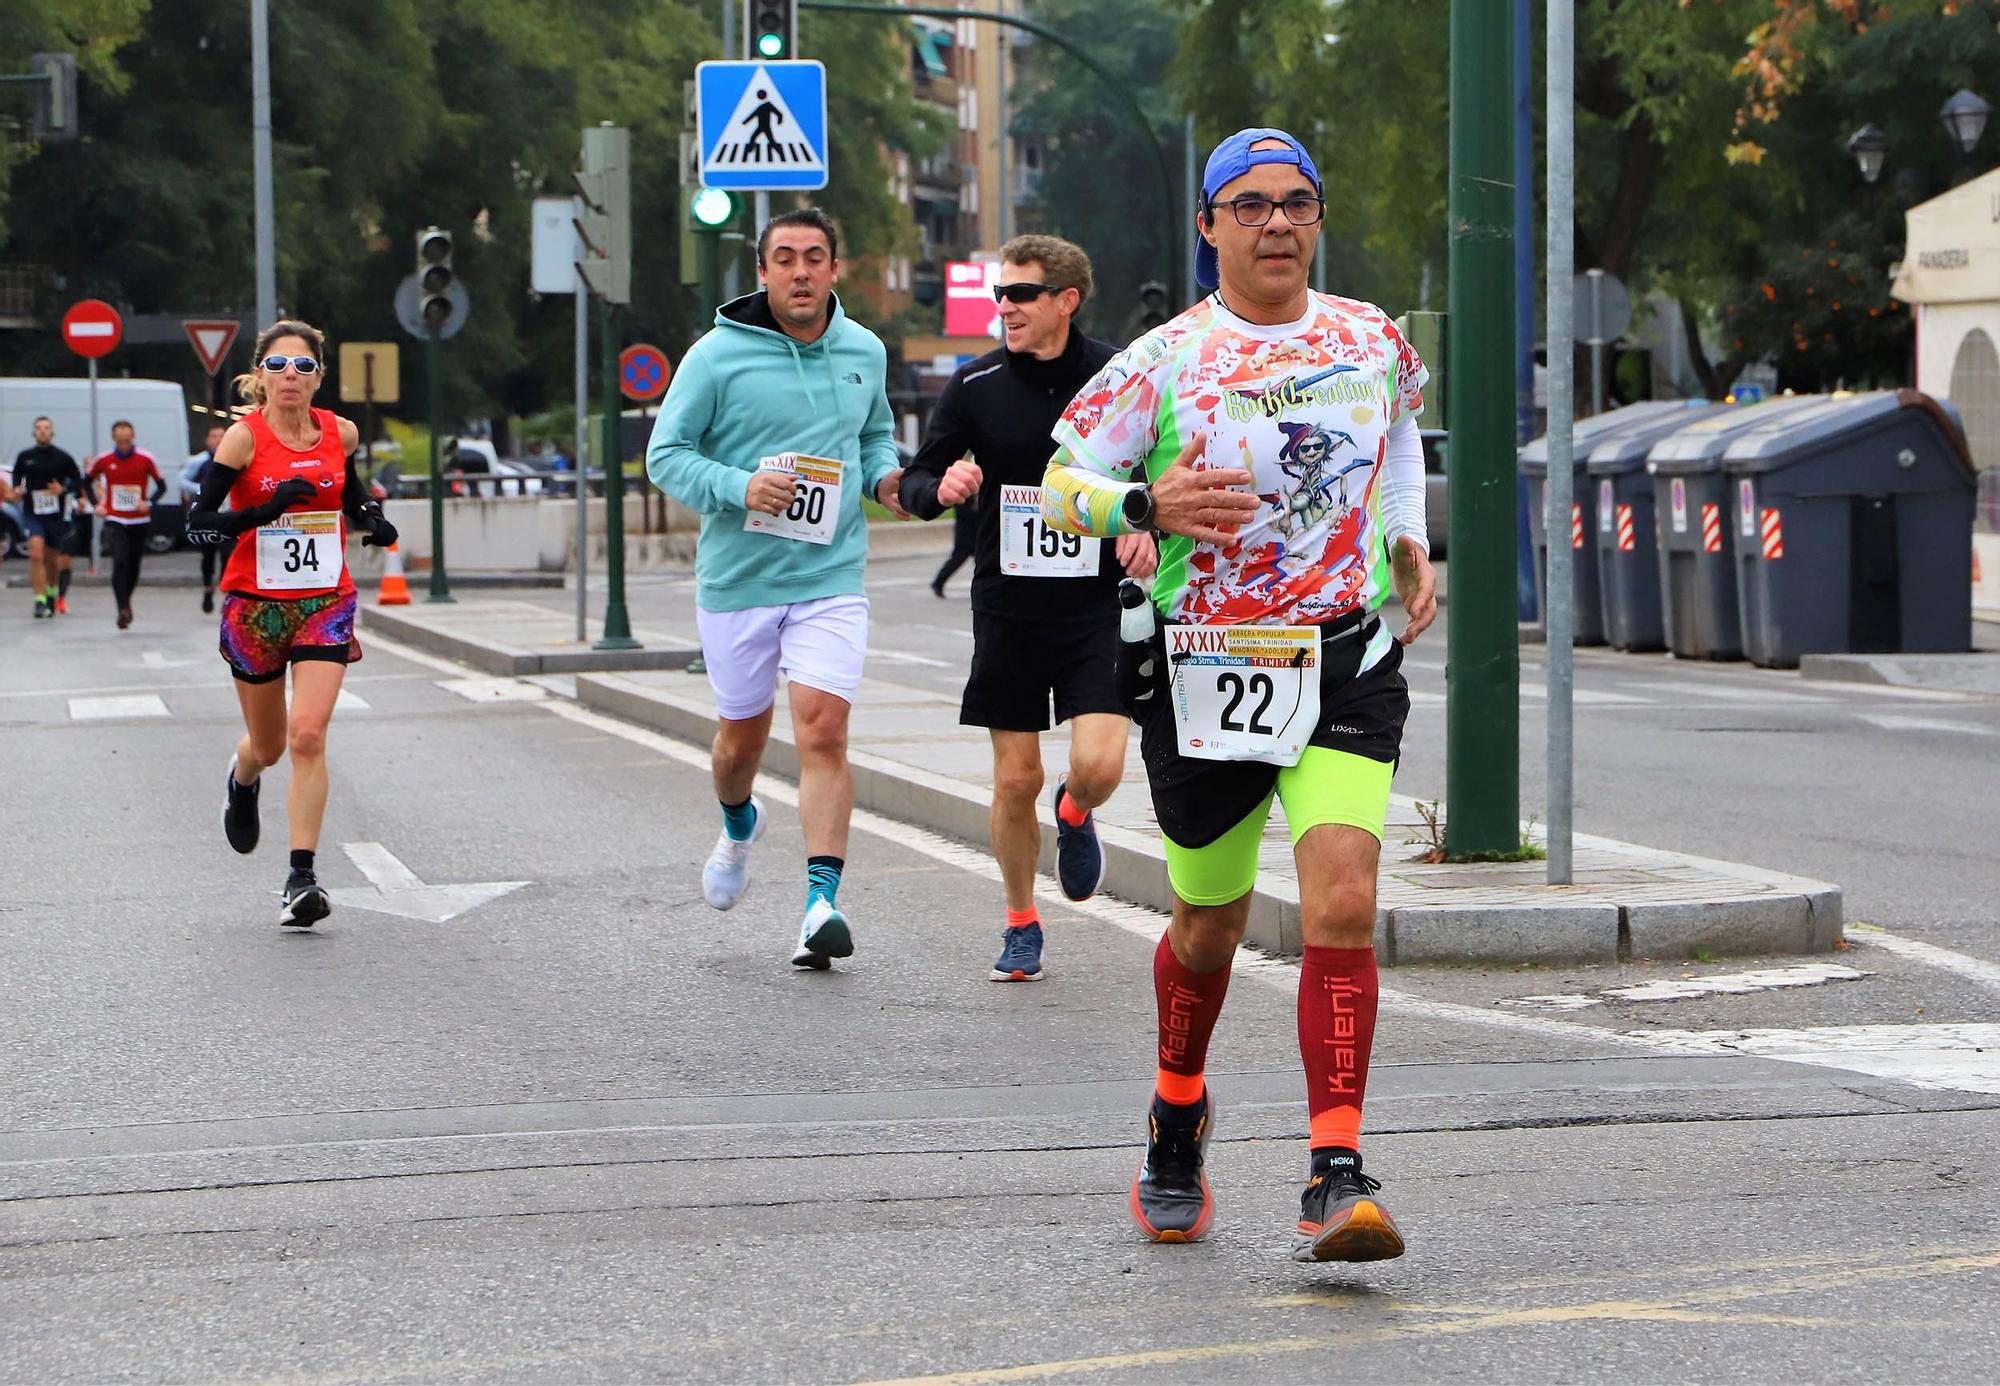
<point>1231,160</point>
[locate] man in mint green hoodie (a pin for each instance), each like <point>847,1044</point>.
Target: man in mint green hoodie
<point>775,426</point>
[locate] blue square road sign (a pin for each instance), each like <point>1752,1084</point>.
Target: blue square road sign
<point>761,126</point>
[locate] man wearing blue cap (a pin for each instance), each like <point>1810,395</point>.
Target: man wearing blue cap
<point>1269,435</point>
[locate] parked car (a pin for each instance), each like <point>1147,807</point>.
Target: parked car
<point>13,541</point>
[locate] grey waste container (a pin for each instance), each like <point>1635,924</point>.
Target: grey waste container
<point>1852,529</point>
<point>1628,574</point>
<point>1691,501</point>
<point>1534,465</point>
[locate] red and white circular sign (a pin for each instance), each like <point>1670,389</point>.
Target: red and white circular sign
<point>92,327</point>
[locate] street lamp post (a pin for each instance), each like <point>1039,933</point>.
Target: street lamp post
<point>1868,146</point>
<point>1964,117</point>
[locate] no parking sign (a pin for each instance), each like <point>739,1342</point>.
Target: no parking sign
<point>643,372</point>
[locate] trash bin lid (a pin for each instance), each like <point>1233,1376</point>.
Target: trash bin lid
<point>1588,433</point>
<point>1793,439</point>
<point>1699,447</point>
<point>1627,449</point>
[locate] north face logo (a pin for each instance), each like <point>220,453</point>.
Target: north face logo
<point>852,377</point>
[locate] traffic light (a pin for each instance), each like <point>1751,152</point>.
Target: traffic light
<point>773,28</point>
<point>55,100</point>
<point>434,276</point>
<point>605,184</point>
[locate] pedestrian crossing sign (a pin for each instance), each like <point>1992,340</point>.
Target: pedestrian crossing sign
<point>761,126</point>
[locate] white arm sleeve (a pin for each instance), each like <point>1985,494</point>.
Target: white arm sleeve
<point>1403,485</point>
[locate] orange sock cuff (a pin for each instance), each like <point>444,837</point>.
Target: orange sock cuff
<point>1020,919</point>
<point>1185,1089</point>
<point>1336,1126</point>
<point>1067,810</point>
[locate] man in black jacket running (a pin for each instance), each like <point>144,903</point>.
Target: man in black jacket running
<point>1044,604</point>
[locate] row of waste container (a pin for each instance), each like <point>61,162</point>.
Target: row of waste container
<point>1809,524</point>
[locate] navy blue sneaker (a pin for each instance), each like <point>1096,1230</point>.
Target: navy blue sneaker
<point>1020,955</point>
<point>1079,855</point>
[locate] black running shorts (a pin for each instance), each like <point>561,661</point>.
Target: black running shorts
<point>1018,666</point>
<point>1197,801</point>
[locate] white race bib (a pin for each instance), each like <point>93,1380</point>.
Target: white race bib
<point>1029,548</point>
<point>815,508</point>
<point>47,501</point>
<point>299,553</point>
<point>125,498</point>
<point>1244,692</point>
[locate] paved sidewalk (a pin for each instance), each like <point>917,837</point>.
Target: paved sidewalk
<point>915,763</point>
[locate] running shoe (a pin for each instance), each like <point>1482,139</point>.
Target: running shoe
<point>305,901</point>
<point>1079,855</point>
<point>239,812</point>
<point>1170,1198</point>
<point>1341,1220</point>
<point>62,604</point>
<point>822,937</point>
<point>208,601</point>
<point>124,617</point>
<point>42,609</point>
<point>726,873</point>
<point>1020,955</point>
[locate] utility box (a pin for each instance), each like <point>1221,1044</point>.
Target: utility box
<point>1628,571</point>
<point>1588,627</point>
<point>1852,529</point>
<point>1697,563</point>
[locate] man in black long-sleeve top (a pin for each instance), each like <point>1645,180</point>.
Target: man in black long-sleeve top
<point>1044,603</point>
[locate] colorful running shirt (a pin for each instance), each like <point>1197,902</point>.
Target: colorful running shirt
<point>1304,406</point>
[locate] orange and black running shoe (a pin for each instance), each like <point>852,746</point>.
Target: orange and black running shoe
<point>1340,1218</point>
<point>1170,1198</point>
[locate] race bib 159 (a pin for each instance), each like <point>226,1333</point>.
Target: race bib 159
<point>1244,692</point>
<point>815,509</point>
<point>1029,548</point>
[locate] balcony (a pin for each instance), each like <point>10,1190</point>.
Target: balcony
<point>24,291</point>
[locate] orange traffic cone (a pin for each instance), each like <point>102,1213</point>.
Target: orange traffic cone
<point>395,590</point>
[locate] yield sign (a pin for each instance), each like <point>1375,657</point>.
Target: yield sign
<point>211,340</point>
<point>92,328</point>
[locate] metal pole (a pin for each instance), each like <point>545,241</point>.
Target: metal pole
<point>1001,140</point>
<point>760,212</point>
<point>617,625</point>
<point>1597,342</point>
<point>581,464</point>
<point>434,367</point>
<point>1524,223</point>
<point>1190,289</point>
<point>1562,418</point>
<point>91,450</point>
<point>1482,715</point>
<point>260,155</point>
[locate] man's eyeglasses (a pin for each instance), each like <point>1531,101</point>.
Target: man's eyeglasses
<point>304,365</point>
<point>1255,211</point>
<point>1022,293</point>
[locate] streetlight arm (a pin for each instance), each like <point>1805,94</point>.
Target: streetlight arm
<point>1041,31</point>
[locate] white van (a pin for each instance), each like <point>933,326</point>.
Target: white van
<point>156,409</point>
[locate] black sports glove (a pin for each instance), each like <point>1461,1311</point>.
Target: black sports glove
<point>290,493</point>
<point>380,533</point>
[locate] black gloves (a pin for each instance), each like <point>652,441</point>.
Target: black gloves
<point>290,493</point>
<point>380,533</point>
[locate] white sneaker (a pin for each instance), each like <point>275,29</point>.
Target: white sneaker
<point>726,873</point>
<point>822,937</point>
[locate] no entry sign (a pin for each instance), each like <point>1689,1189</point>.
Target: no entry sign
<point>642,372</point>
<point>92,328</point>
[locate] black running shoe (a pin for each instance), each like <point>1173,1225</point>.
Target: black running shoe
<point>1170,1198</point>
<point>208,601</point>
<point>305,901</point>
<point>239,812</point>
<point>1340,1218</point>
<point>43,610</point>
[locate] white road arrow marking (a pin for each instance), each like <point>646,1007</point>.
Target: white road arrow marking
<point>1892,723</point>
<point>155,659</point>
<point>395,889</point>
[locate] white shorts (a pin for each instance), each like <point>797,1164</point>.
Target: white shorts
<point>820,643</point>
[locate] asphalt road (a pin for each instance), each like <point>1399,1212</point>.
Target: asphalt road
<point>590,1129</point>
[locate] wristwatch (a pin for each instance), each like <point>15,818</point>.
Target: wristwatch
<point>1138,508</point>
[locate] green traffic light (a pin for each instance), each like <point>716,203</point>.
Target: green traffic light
<point>712,206</point>
<point>770,45</point>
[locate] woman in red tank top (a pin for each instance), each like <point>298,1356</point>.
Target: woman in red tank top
<point>288,601</point>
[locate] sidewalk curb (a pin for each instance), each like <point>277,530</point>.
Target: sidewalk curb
<point>490,658</point>
<point>1975,672</point>
<point>1797,916</point>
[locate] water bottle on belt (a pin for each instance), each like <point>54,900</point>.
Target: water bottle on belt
<point>1138,647</point>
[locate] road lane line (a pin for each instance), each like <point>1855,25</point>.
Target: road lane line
<point>1973,969</point>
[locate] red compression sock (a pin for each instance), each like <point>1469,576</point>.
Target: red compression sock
<point>1337,995</point>
<point>1188,1004</point>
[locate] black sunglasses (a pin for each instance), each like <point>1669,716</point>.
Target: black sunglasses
<point>304,365</point>
<point>1022,293</point>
